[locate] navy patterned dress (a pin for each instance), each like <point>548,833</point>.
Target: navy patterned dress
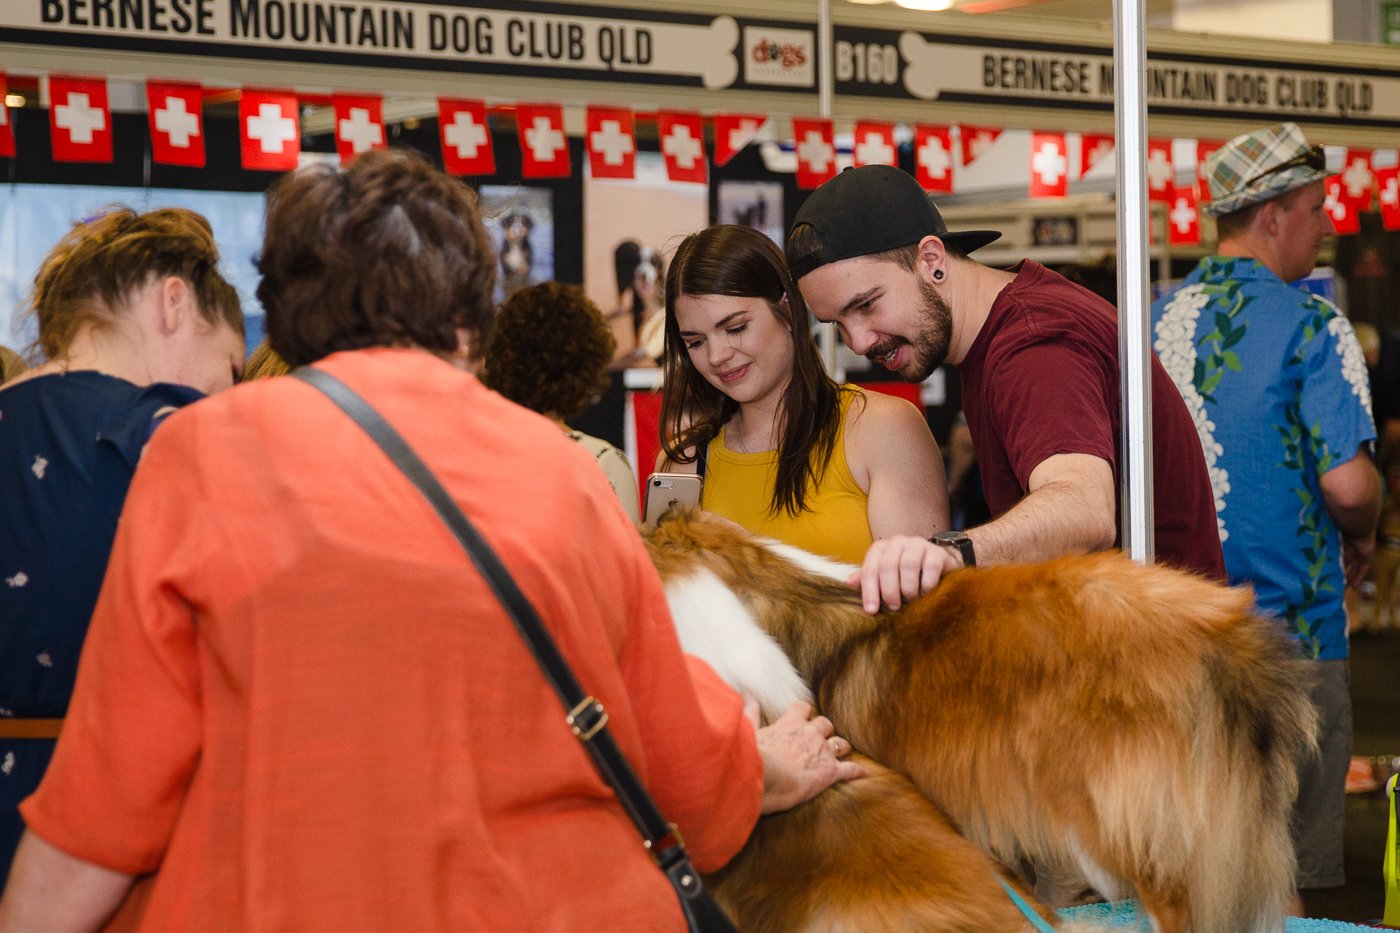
<point>68,446</point>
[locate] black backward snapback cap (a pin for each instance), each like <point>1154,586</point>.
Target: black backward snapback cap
<point>871,209</point>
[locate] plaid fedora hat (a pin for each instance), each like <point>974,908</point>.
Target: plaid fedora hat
<point>1259,166</point>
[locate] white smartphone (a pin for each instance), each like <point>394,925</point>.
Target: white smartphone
<point>665,490</point>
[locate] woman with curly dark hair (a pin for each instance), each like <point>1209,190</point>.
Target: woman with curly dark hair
<point>550,352</point>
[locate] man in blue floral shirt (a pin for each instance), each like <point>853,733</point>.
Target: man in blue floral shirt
<point>1276,382</point>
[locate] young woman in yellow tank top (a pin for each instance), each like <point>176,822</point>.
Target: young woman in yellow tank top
<point>787,452</point>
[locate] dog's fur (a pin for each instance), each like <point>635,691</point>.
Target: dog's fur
<point>1137,723</point>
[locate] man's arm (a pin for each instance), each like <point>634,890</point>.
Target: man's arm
<point>1351,493</point>
<point>1069,506</point>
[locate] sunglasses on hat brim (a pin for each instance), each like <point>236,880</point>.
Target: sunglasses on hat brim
<point>1315,159</point>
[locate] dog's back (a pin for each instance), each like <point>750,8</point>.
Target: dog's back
<point>1138,721</point>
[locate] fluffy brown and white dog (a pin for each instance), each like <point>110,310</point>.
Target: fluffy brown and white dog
<point>1136,723</point>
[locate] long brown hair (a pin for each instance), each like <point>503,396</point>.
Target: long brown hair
<point>739,261</point>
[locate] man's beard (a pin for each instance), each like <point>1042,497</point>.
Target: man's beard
<point>932,337</point>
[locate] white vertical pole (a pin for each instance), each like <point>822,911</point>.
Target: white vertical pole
<point>1134,344</point>
<point>826,81</point>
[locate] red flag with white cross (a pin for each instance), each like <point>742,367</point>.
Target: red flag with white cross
<point>734,131</point>
<point>269,130</point>
<point>815,145</point>
<point>933,157</point>
<point>1183,217</point>
<point>681,137</point>
<point>1161,172</point>
<point>176,114</point>
<point>611,141</point>
<point>874,144</point>
<point>1093,149</point>
<point>80,120</point>
<point>1358,179</point>
<point>1388,184</point>
<point>359,124</point>
<point>7,130</point>
<point>975,141</point>
<point>465,135</point>
<point>1343,212</point>
<point>1049,166</point>
<point>544,149</point>
<point>1205,148</point>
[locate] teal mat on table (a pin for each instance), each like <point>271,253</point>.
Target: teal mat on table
<point>1125,914</point>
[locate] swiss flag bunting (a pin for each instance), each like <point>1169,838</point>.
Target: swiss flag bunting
<point>80,121</point>
<point>7,131</point>
<point>611,142</point>
<point>1093,148</point>
<point>1049,166</point>
<point>269,130</point>
<point>816,151</point>
<point>359,124</point>
<point>1342,211</point>
<point>1205,148</point>
<point>544,149</point>
<point>734,131</point>
<point>975,141</point>
<point>1161,172</point>
<point>1388,183</point>
<point>176,115</point>
<point>1183,218</point>
<point>682,140</point>
<point>1358,179</point>
<point>874,144</point>
<point>466,137</point>
<point>933,157</point>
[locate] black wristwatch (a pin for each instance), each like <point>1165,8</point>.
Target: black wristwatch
<point>959,540</point>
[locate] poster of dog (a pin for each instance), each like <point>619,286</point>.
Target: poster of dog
<point>521,224</point>
<point>757,204</point>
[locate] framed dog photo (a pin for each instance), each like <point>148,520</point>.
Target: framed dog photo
<point>757,204</point>
<point>520,221</point>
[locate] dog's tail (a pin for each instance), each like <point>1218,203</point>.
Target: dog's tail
<point>1210,829</point>
<point>1245,861</point>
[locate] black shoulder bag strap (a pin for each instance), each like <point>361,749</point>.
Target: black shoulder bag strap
<point>586,717</point>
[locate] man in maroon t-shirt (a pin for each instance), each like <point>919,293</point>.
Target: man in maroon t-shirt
<point>1038,357</point>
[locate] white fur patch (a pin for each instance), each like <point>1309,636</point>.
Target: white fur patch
<point>714,625</point>
<point>821,566</point>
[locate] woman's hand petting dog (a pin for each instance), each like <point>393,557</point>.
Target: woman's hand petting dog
<point>801,756</point>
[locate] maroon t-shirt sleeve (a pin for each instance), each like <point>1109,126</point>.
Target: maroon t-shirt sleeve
<point>1048,397</point>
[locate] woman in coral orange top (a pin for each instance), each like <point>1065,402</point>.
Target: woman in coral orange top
<point>301,703</point>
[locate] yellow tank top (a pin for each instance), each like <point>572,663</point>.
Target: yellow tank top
<point>740,487</point>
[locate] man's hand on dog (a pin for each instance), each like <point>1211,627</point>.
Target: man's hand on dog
<point>899,568</point>
<point>801,756</point>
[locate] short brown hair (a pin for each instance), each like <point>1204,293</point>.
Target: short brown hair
<point>388,252</point>
<point>550,349</point>
<point>1235,223</point>
<point>91,273</point>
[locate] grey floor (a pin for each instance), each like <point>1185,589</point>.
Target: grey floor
<point>1375,697</point>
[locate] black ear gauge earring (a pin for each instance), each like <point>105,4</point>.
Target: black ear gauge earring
<point>938,275</point>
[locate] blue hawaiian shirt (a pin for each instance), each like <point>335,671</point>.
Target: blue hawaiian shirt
<point>1276,383</point>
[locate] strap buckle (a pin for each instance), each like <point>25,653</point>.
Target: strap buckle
<point>670,843</point>
<point>587,718</point>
